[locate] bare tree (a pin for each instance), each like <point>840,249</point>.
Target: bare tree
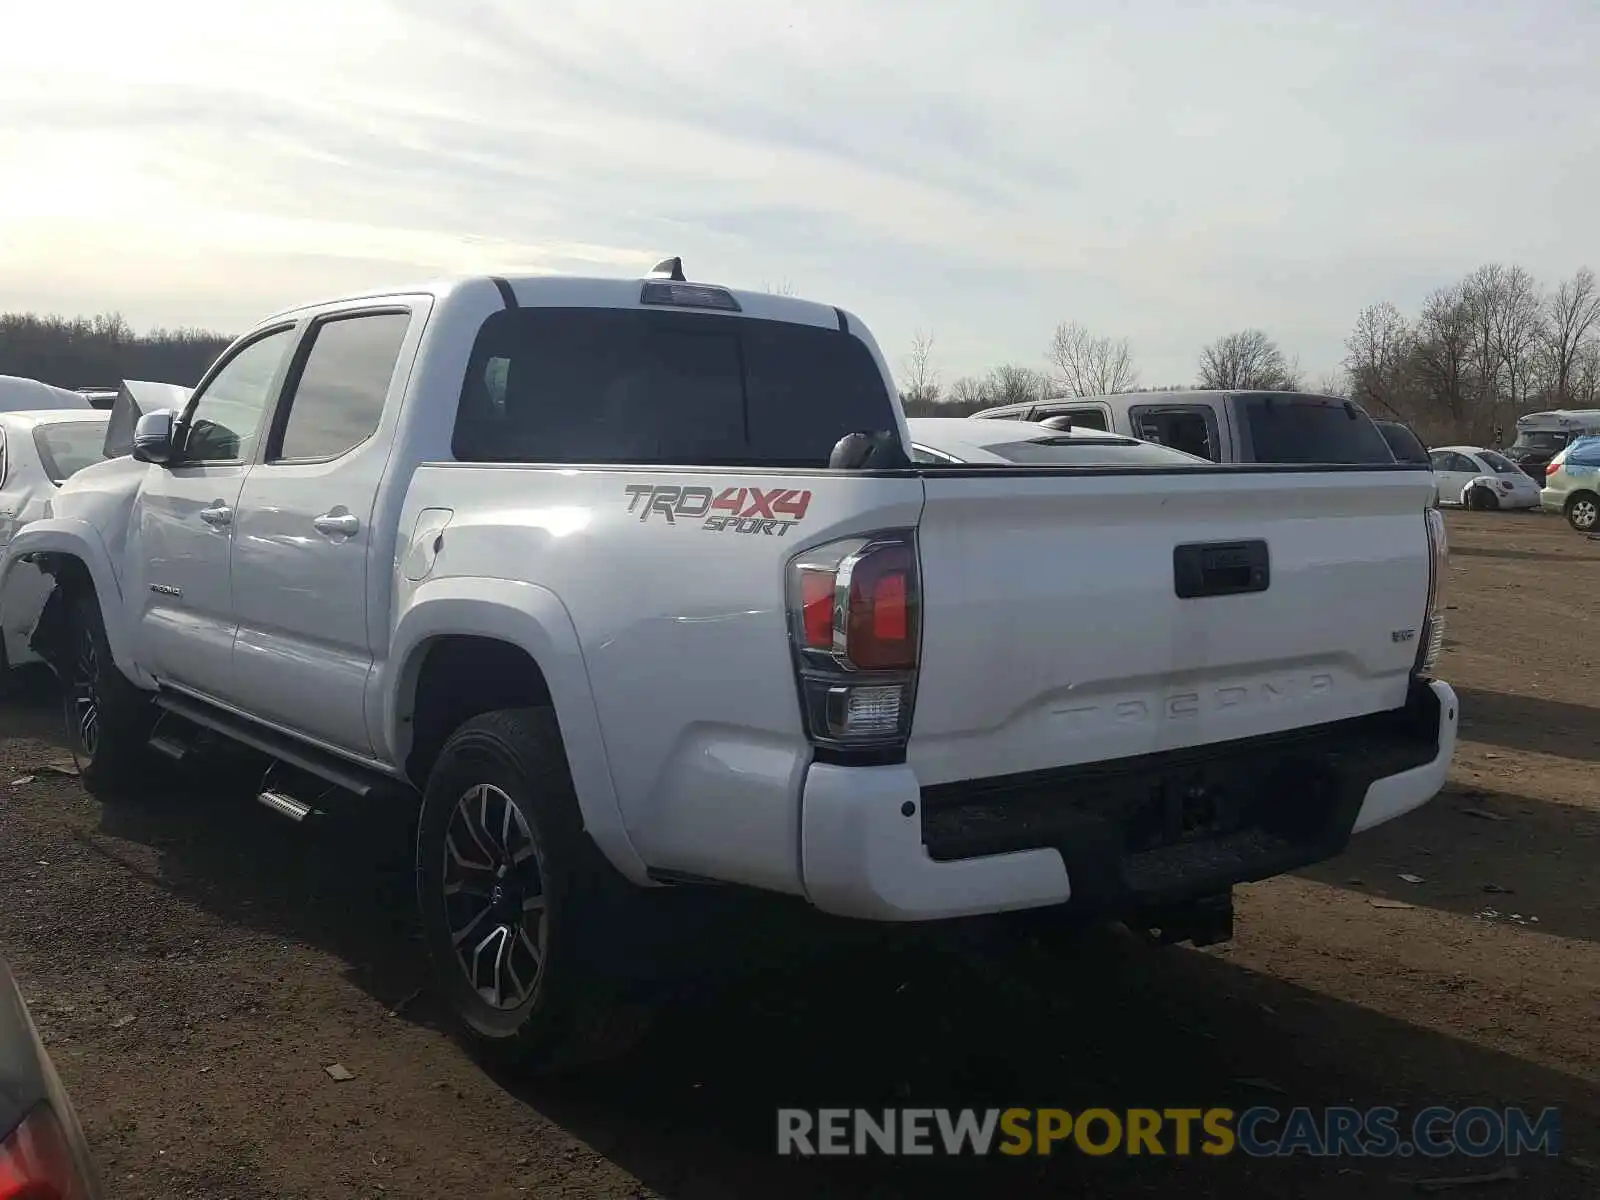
<point>1572,321</point>
<point>1334,383</point>
<point>969,392</point>
<point>1507,329</point>
<point>1245,360</point>
<point>1442,357</point>
<point>920,378</point>
<point>1585,378</point>
<point>1086,365</point>
<point>1011,383</point>
<point>1378,352</point>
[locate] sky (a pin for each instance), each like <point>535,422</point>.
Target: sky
<point>1166,171</point>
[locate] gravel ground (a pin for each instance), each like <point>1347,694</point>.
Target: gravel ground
<point>195,963</point>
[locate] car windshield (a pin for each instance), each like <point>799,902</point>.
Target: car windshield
<point>1067,451</point>
<point>68,447</point>
<point>1499,463</point>
<point>1542,441</point>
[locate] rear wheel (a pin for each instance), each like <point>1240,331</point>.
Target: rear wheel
<point>1482,499</point>
<point>1582,511</point>
<point>519,909</point>
<point>108,720</point>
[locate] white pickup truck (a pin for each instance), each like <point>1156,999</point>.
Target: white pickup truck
<point>631,584</point>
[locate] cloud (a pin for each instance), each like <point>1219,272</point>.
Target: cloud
<point>1166,171</point>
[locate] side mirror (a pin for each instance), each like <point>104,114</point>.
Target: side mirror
<point>867,451</point>
<point>152,437</point>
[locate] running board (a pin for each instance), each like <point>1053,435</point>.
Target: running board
<point>286,806</point>
<point>353,778</point>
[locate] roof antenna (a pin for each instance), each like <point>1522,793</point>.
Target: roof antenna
<point>670,268</point>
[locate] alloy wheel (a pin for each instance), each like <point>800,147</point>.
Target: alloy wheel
<point>494,896</point>
<point>1584,513</point>
<point>83,696</point>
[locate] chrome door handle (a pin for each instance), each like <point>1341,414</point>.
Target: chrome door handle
<point>217,515</point>
<point>336,524</point>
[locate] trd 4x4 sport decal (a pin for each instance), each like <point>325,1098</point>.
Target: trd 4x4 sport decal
<point>770,511</point>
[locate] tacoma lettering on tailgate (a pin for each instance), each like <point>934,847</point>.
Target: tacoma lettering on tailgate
<point>769,511</point>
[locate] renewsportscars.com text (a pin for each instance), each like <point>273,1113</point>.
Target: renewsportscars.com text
<point>1260,1132</point>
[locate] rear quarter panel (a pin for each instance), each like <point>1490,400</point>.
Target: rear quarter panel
<point>680,618</point>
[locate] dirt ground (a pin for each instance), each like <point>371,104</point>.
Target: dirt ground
<point>196,962</point>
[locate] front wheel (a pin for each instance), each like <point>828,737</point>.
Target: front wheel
<point>108,720</point>
<point>1582,511</point>
<point>518,907</point>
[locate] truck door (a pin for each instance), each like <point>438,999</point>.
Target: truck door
<point>185,522</point>
<point>301,558</point>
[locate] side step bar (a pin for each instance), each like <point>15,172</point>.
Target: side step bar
<point>352,777</point>
<point>286,805</point>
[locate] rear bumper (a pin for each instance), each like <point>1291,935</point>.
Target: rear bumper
<point>1116,838</point>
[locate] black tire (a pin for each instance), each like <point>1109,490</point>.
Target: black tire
<point>1481,499</point>
<point>569,1013</point>
<point>1582,511</point>
<point>108,720</point>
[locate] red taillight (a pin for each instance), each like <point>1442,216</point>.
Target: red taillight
<point>36,1162</point>
<point>816,605</point>
<point>881,627</point>
<point>857,667</point>
<point>1552,468</point>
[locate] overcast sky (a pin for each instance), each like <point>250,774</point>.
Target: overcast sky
<point>1167,170</point>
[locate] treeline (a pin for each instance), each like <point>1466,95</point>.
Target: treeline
<point>1478,354</point>
<point>102,351</point>
<point>1481,352</point>
<point>1079,362</point>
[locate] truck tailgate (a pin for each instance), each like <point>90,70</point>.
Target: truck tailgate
<point>1054,632</point>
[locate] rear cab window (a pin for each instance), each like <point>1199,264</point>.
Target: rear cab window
<point>1291,427</point>
<point>647,387</point>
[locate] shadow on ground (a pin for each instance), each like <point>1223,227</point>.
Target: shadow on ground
<point>1484,854</point>
<point>826,1013</point>
<point>1533,723</point>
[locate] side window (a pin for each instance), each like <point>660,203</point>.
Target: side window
<point>1439,460</point>
<point>337,400</point>
<point>1082,418</point>
<point>1584,453</point>
<point>223,419</point>
<point>1192,430</point>
<point>1460,462</point>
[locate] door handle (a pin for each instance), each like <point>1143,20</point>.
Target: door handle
<point>217,516</point>
<point>336,524</point>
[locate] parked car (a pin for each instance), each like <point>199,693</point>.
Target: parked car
<point>1224,426</point>
<point>1543,435</point>
<point>1404,444</point>
<point>954,441</point>
<point>620,585</point>
<point>39,451</point>
<point>43,1154</point>
<point>1473,477</point>
<point>1572,484</point>
<point>19,395</point>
